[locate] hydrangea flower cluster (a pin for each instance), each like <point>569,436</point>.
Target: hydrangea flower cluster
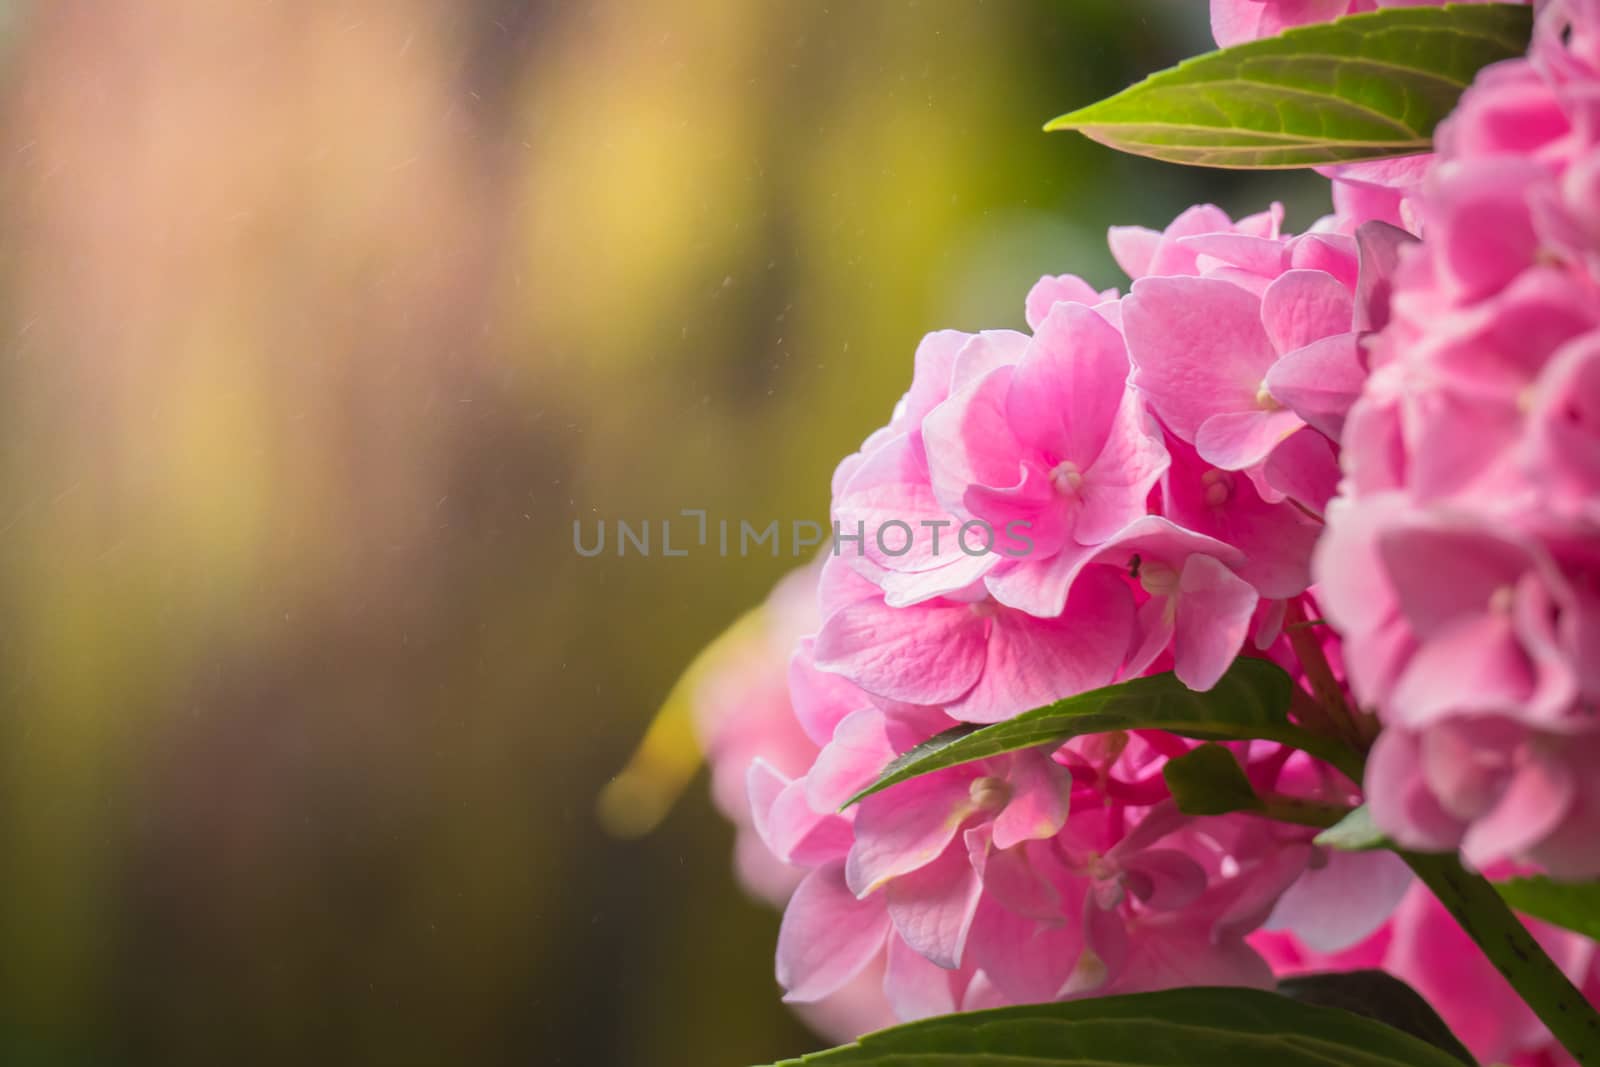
<point>1369,452</point>
<point>1462,562</point>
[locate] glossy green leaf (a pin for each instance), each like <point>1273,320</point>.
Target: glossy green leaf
<point>1381,996</point>
<point>1250,702</point>
<point>1356,832</point>
<point>1362,87</point>
<point>1201,1027</point>
<point>1574,905</point>
<point>1209,781</point>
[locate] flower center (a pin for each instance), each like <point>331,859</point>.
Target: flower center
<point>1066,477</point>
<point>989,793</point>
<point>1265,400</point>
<point>1158,579</point>
<point>1218,486</point>
<point>1501,599</point>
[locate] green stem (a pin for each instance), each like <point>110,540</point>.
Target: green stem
<point>1299,811</point>
<point>1514,953</point>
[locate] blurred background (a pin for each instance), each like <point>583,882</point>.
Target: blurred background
<point>320,323</point>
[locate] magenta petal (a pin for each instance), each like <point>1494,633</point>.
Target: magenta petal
<point>1165,879</point>
<point>906,827</point>
<point>929,654</point>
<point>1214,611</point>
<point>827,936</point>
<point>932,908</point>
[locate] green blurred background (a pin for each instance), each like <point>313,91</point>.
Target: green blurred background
<point>321,321</point>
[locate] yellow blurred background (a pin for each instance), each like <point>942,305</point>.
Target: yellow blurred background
<point>320,323</point>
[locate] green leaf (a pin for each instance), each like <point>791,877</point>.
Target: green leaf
<point>1209,781</point>
<point>1250,702</point>
<point>1354,833</point>
<point>1199,1027</point>
<point>1381,996</point>
<point>1574,905</point>
<point>1361,87</point>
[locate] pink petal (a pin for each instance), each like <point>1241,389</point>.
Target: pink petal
<point>1032,662</point>
<point>1320,381</point>
<point>820,700</point>
<point>1235,440</point>
<point>916,987</point>
<point>1066,391</point>
<point>1051,290</point>
<point>827,936</point>
<point>1027,961</point>
<point>1164,879</point>
<point>1198,348</point>
<point>859,751</point>
<point>1302,306</point>
<point>1116,487</point>
<point>932,908</point>
<point>1038,806</point>
<point>929,654</point>
<point>1402,806</point>
<point>1540,794</point>
<point>1214,611</point>
<point>800,835</point>
<point>907,827</point>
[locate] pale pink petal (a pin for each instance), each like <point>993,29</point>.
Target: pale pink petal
<point>1342,898</point>
<point>916,987</point>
